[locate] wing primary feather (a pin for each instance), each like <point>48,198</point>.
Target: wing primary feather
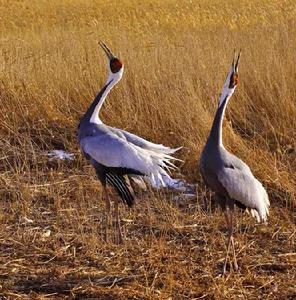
<point>113,182</point>
<point>122,188</point>
<point>127,189</point>
<point>119,186</point>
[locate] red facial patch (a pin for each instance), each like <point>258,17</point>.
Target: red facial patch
<point>115,65</point>
<point>233,80</point>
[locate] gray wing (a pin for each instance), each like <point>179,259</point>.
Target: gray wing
<point>241,185</point>
<point>140,142</point>
<point>113,150</point>
<point>110,150</point>
<point>231,161</point>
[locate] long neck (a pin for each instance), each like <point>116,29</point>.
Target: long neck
<point>92,114</point>
<point>215,137</point>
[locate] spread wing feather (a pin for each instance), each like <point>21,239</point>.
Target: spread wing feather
<point>144,144</point>
<point>111,150</point>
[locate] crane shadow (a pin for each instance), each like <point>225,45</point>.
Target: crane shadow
<point>82,286</point>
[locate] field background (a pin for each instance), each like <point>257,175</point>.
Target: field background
<point>176,56</point>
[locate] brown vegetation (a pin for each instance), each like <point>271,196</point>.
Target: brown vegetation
<point>176,56</point>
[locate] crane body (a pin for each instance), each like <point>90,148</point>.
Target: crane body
<point>115,154</point>
<point>226,175</point>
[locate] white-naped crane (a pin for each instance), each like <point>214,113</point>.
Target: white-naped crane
<point>226,175</point>
<point>115,154</point>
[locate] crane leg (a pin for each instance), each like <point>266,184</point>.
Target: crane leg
<point>228,241</point>
<point>226,219</point>
<point>107,212</point>
<point>120,239</point>
<point>235,265</point>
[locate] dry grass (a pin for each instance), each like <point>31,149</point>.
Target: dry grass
<point>176,56</point>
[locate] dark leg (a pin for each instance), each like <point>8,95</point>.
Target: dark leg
<point>226,215</point>
<point>107,212</point>
<point>120,239</point>
<point>227,218</point>
<point>232,242</point>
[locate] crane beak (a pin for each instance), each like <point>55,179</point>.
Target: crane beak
<point>106,50</point>
<point>235,63</point>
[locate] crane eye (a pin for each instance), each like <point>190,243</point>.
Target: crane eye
<point>233,80</point>
<point>115,65</point>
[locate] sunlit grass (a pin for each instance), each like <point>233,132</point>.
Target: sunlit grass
<point>176,56</point>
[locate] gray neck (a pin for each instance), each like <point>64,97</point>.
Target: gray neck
<point>215,137</point>
<point>96,104</point>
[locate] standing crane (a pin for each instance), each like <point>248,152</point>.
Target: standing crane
<point>226,175</point>
<point>116,154</point>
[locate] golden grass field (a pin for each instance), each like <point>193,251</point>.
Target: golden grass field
<point>176,56</point>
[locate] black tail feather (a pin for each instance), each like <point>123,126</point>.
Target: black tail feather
<point>122,187</point>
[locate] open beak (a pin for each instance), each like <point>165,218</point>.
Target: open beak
<point>106,50</point>
<point>235,63</point>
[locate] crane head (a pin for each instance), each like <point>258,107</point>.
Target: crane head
<point>115,64</point>
<point>231,80</point>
